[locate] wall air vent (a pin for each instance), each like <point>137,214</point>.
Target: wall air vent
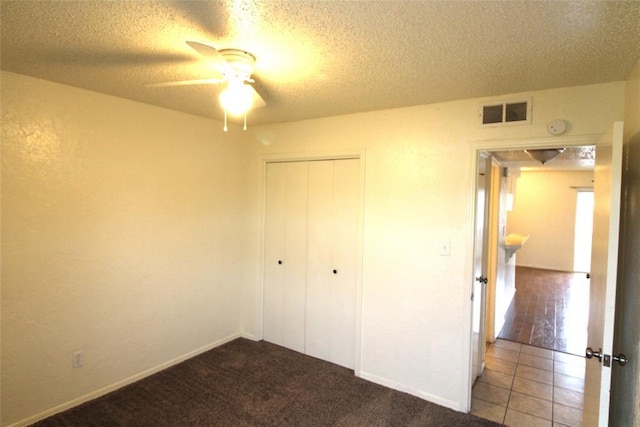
<point>505,113</point>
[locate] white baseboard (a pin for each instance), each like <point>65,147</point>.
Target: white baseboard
<point>130,380</point>
<point>545,267</point>
<point>249,336</point>
<point>412,391</point>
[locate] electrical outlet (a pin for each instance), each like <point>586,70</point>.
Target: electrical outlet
<point>77,359</point>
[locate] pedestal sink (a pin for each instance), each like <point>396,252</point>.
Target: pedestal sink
<point>513,242</point>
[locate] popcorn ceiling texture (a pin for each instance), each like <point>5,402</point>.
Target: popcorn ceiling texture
<point>323,58</point>
<point>570,158</point>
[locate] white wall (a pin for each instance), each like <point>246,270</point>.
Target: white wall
<point>418,192</point>
<point>545,209</point>
<point>122,231</point>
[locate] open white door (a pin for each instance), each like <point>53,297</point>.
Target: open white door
<point>480,265</point>
<point>604,265</point>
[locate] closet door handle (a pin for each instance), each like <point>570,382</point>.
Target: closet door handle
<point>335,271</point>
<point>279,261</point>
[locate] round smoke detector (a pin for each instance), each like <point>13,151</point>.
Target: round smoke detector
<point>557,127</point>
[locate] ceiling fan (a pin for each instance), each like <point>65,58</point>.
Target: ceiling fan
<point>235,67</point>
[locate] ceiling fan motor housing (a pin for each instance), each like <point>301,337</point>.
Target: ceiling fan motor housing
<point>241,63</point>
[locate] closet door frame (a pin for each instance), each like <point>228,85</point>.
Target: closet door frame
<point>263,160</point>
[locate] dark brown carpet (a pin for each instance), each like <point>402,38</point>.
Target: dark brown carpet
<point>246,383</point>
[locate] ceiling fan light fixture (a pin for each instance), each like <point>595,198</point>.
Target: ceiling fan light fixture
<point>236,99</point>
<point>544,155</point>
<point>234,67</point>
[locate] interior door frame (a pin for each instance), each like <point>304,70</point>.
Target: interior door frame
<point>476,147</point>
<point>265,159</point>
<point>481,257</point>
<point>495,205</point>
<point>604,274</point>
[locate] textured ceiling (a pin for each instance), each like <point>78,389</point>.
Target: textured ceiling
<point>322,58</point>
<point>570,158</point>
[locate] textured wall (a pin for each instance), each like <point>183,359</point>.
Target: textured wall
<point>418,192</point>
<point>545,209</point>
<point>122,231</point>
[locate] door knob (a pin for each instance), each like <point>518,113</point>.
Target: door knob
<point>482,280</point>
<point>621,359</point>
<point>589,354</point>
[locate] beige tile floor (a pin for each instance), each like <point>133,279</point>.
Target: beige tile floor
<point>529,386</point>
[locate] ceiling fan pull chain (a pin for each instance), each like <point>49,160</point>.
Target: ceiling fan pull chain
<point>225,121</point>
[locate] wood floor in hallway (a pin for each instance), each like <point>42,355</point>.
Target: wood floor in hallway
<point>550,310</point>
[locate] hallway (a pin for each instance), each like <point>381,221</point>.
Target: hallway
<point>549,310</point>
<point>529,386</point>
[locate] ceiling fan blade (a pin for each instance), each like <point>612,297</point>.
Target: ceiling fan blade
<point>186,83</point>
<point>207,51</point>
<point>258,101</point>
<point>212,54</point>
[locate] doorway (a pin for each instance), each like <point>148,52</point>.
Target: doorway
<point>550,307</point>
<point>525,382</point>
<point>595,381</point>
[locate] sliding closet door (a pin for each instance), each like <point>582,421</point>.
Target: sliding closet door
<point>285,254</point>
<point>332,260</point>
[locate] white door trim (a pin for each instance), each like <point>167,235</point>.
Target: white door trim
<point>474,148</point>
<point>263,160</point>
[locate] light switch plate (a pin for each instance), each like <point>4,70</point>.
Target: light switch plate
<point>445,248</point>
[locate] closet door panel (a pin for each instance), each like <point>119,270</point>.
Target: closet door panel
<point>295,262</point>
<point>311,235</point>
<point>346,201</point>
<point>332,260</point>
<point>285,254</point>
<point>319,265</point>
<point>273,297</point>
